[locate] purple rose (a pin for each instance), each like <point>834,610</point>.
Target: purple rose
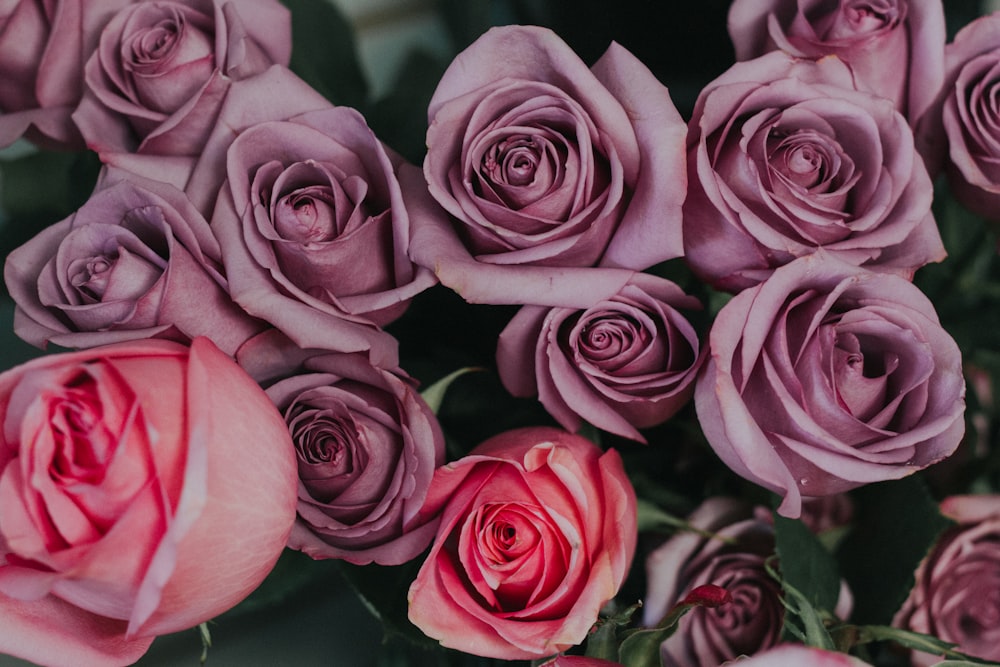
<point>959,131</point>
<point>751,621</point>
<point>367,446</point>
<point>541,164</point>
<point>785,157</point>
<point>42,47</point>
<point>314,229</point>
<point>162,70</point>
<point>626,361</point>
<point>826,377</point>
<point>957,592</point>
<point>135,261</point>
<point>894,47</point>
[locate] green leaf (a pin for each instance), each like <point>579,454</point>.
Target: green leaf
<point>641,648</point>
<point>805,563</point>
<point>919,642</point>
<point>896,525</point>
<point>434,394</point>
<point>813,631</point>
<point>324,52</point>
<point>603,640</point>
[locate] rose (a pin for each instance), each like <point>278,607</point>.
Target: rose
<point>145,487</point>
<point>866,34</point>
<point>366,445</point>
<point>313,218</point>
<point>826,377</point>
<point>795,655</point>
<point>578,661</point>
<point>958,129</point>
<point>41,45</point>
<point>163,68</point>
<point>537,530</point>
<point>627,361</point>
<point>544,163</point>
<point>135,261</point>
<point>956,596</point>
<point>751,620</point>
<point>785,158</point>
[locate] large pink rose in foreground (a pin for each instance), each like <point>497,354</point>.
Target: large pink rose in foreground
<point>826,377</point>
<point>957,591</point>
<point>540,162</point>
<point>145,487</point>
<point>626,362</point>
<point>894,47</point>
<point>135,261</point>
<point>162,70</point>
<point>751,620</point>
<point>537,531</point>
<point>42,49</point>
<point>786,157</point>
<point>366,445</point>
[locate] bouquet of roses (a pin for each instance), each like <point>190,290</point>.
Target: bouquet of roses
<point>553,364</point>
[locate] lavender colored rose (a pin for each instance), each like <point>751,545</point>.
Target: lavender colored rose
<point>894,47</point>
<point>826,377</point>
<point>162,70</point>
<point>539,162</point>
<point>786,157</point>
<point>627,361</point>
<point>956,596</point>
<point>135,261</point>
<point>752,619</point>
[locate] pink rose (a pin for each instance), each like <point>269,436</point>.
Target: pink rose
<point>578,661</point>
<point>959,129</point>
<point>537,531</point>
<point>794,655</point>
<point>135,261</point>
<point>894,47</point>
<point>826,377</point>
<point>162,70</point>
<point>145,487</point>
<point>314,227</point>
<point>625,362</point>
<point>366,444</point>
<point>751,621</point>
<point>785,157</point>
<point>957,592</point>
<point>42,49</point>
<point>542,164</point>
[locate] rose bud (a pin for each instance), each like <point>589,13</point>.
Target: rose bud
<point>626,361</point>
<point>785,158</point>
<point>145,487</point>
<point>162,69</point>
<point>537,531</point>
<point>956,596</point>
<point>826,377</point>
<point>909,34</point>
<point>541,164</point>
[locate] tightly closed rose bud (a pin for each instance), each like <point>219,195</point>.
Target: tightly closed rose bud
<point>956,596</point>
<point>542,164</point>
<point>145,487</point>
<point>826,377</point>
<point>537,531</point>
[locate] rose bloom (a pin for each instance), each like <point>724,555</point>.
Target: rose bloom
<point>826,377</point>
<point>957,592</point>
<point>785,157</point>
<point>627,361</point>
<point>537,531</point>
<point>751,620</point>
<point>135,261</point>
<point>578,661</point>
<point>960,129</point>
<point>894,47</point>
<point>795,655</point>
<point>145,487</point>
<point>162,69</point>
<point>366,444</point>
<point>315,230</point>
<point>542,164</point>
<point>42,47</point>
